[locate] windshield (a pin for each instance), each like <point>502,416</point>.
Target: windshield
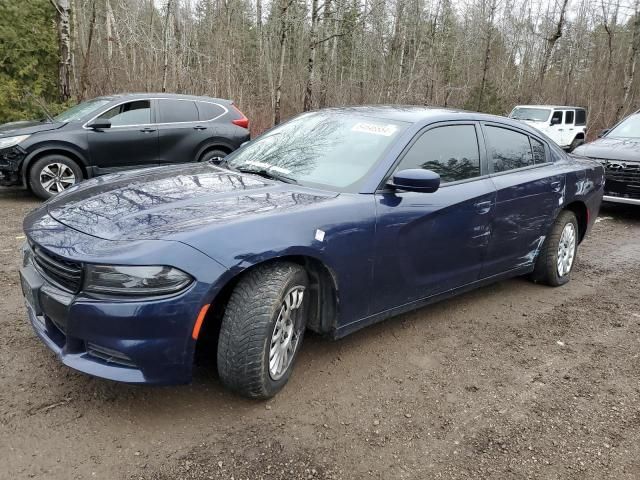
<point>531,114</point>
<point>334,150</point>
<point>629,128</point>
<point>81,110</point>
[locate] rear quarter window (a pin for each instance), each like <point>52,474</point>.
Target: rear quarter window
<point>581,117</point>
<point>209,111</point>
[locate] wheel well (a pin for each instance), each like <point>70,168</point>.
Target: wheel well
<point>579,209</point>
<point>580,135</point>
<point>224,148</point>
<point>323,305</point>
<point>53,151</point>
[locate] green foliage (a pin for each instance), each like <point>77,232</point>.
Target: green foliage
<point>491,101</point>
<point>28,57</point>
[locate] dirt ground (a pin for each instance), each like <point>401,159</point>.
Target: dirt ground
<point>511,381</point>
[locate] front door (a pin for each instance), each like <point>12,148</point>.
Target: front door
<point>528,194</point>
<point>428,243</point>
<point>131,141</point>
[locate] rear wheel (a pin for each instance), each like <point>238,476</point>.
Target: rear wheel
<point>53,174</point>
<point>558,253</point>
<point>214,156</point>
<point>262,329</point>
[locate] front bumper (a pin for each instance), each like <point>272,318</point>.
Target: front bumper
<point>10,164</point>
<point>134,342</point>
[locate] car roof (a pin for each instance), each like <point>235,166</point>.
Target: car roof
<point>559,107</point>
<point>125,96</point>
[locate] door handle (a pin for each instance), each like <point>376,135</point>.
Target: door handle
<point>556,186</point>
<point>483,207</point>
<point>199,127</point>
<point>147,130</point>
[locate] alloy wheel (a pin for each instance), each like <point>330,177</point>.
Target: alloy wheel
<point>287,331</point>
<point>566,249</point>
<point>56,177</point>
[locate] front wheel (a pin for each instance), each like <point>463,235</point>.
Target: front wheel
<point>558,253</point>
<point>53,174</point>
<point>262,329</point>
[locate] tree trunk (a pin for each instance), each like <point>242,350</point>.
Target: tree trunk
<point>487,56</point>
<point>308,91</point>
<point>63,9</point>
<point>165,46</point>
<point>551,42</point>
<point>284,7</point>
<point>84,76</point>
<point>630,67</point>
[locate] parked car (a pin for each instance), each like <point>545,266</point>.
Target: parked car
<point>114,133</point>
<point>567,126</point>
<point>618,149</point>
<point>330,222</point>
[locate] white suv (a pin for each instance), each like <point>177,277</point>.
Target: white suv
<point>566,126</point>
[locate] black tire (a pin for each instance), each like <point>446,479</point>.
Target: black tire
<point>212,155</point>
<point>575,144</point>
<point>37,175</point>
<point>248,326</point>
<point>546,268</point>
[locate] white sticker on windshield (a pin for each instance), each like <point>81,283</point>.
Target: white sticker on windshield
<point>374,128</point>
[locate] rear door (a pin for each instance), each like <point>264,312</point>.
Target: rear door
<point>181,131</point>
<point>530,187</point>
<point>131,141</point>
<point>427,243</point>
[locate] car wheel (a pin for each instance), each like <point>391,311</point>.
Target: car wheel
<point>52,174</point>
<point>213,156</point>
<point>262,329</point>
<point>557,256</point>
<point>576,143</point>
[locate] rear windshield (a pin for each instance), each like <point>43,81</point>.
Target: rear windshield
<point>629,128</point>
<point>531,114</point>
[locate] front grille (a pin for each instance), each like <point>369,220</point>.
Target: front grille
<point>622,177</point>
<point>109,355</point>
<point>63,272</point>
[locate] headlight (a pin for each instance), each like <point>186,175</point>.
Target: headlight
<point>145,280</point>
<point>12,141</point>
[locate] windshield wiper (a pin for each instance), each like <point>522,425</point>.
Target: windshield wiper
<point>265,173</point>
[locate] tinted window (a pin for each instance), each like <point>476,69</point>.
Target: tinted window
<point>556,117</point>
<point>508,149</point>
<point>450,151</point>
<point>171,111</point>
<point>130,113</point>
<point>581,117</point>
<point>539,155</point>
<point>568,117</point>
<point>209,111</point>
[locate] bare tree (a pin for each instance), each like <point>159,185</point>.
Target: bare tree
<point>63,9</point>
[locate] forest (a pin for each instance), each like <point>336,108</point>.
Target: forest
<point>281,57</point>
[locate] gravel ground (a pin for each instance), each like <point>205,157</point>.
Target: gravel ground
<point>514,380</point>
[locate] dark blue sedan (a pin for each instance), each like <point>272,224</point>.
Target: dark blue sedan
<point>330,222</point>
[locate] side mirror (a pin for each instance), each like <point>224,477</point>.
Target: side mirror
<point>603,132</point>
<point>99,124</point>
<point>416,180</point>
<point>556,121</point>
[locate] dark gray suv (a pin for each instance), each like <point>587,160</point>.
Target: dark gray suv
<point>115,133</point>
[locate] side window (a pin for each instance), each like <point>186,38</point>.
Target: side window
<point>556,118</point>
<point>581,118</point>
<point>172,111</point>
<point>539,155</point>
<point>508,149</point>
<point>568,117</point>
<point>450,151</point>
<point>131,113</point>
<point>209,111</point>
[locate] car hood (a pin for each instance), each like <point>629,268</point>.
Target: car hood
<point>169,202</point>
<point>26,127</point>
<point>612,149</point>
